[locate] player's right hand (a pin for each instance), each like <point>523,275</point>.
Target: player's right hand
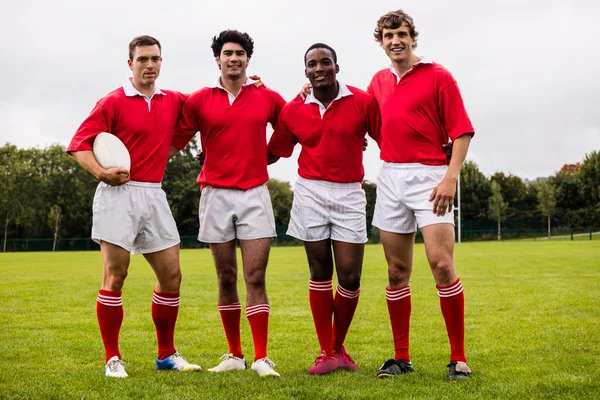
<point>114,176</point>
<point>305,91</point>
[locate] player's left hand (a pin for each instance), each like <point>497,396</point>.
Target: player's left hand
<point>201,156</point>
<point>258,82</point>
<point>447,150</point>
<point>443,197</point>
<point>365,145</point>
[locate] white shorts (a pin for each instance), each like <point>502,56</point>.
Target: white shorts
<point>328,210</point>
<point>226,214</point>
<point>135,216</point>
<point>403,192</point>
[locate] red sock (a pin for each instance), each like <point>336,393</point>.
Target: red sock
<point>109,310</point>
<point>258,317</point>
<point>165,307</point>
<point>452,302</point>
<point>230,316</point>
<point>320,296</point>
<point>343,311</point>
<point>399,307</point>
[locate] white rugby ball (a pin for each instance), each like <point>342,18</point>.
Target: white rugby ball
<point>110,152</point>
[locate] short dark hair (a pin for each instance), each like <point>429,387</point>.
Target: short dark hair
<point>232,36</point>
<point>143,40</point>
<point>321,46</point>
<point>394,20</point>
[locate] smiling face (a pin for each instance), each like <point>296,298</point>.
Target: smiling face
<point>145,65</point>
<point>233,61</point>
<point>397,43</point>
<point>320,68</point>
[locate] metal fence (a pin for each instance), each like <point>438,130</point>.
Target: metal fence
<point>191,242</point>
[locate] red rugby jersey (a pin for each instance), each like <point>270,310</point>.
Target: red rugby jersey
<point>332,145</point>
<point>147,134</point>
<point>233,136</point>
<point>419,113</point>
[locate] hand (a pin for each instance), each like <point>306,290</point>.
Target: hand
<point>365,145</point>
<point>305,91</point>
<point>201,157</point>
<point>447,150</point>
<point>258,82</point>
<point>114,176</point>
<point>443,197</point>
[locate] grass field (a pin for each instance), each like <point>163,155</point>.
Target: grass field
<point>532,328</point>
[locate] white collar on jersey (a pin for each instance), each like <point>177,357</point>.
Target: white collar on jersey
<point>217,83</point>
<point>343,92</point>
<point>230,95</point>
<point>131,91</point>
<point>423,60</point>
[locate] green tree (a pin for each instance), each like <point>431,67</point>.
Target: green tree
<point>570,204</point>
<point>475,189</point>
<point>281,198</point>
<point>370,189</point>
<point>54,217</point>
<point>547,201</point>
<point>514,193</point>
<point>589,178</point>
<point>183,193</point>
<point>497,207</point>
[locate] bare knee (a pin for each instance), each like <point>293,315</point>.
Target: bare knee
<point>171,281</point>
<point>399,273</point>
<point>443,271</point>
<point>350,280</point>
<point>227,277</point>
<point>255,280</point>
<point>114,279</point>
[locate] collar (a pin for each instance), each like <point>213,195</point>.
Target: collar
<point>131,91</point>
<point>423,60</point>
<point>343,92</point>
<point>217,83</point>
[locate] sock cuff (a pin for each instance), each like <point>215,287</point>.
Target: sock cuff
<point>350,294</point>
<point>397,294</point>
<point>166,299</point>
<point>230,307</point>
<point>257,309</point>
<point>451,290</point>
<point>110,299</point>
<point>320,286</point>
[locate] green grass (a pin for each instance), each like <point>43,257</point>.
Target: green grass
<point>532,328</point>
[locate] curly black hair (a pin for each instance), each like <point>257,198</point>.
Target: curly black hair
<point>232,36</point>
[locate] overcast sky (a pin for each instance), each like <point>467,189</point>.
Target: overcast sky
<point>528,70</point>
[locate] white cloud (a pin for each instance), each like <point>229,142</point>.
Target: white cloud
<point>527,70</point>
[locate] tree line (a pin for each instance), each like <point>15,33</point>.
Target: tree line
<point>44,193</point>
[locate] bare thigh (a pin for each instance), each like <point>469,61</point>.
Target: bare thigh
<point>165,264</point>
<point>439,248</point>
<point>115,264</point>
<point>225,260</point>
<point>255,255</point>
<point>398,249</point>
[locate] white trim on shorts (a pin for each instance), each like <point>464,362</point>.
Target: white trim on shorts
<point>328,210</point>
<point>403,192</point>
<point>135,216</point>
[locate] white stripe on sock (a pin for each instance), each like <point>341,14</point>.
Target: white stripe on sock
<point>321,286</point>
<point>259,308</point>
<point>451,291</point>
<point>110,300</point>
<point>165,301</point>
<point>350,294</point>
<point>399,294</point>
<point>230,307</point>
